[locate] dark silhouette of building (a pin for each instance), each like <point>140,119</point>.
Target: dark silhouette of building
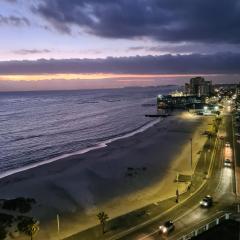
<point>199,87</point>
<point>182,102</point>
<point>238,91</point>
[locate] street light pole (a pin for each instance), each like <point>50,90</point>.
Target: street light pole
<point>205,160</point>
<point>58,226</point>
<point>177,191</point>
<point>191,154</point>
<point>191,161</point>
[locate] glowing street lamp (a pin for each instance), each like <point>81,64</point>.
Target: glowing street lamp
<point>205,108</point>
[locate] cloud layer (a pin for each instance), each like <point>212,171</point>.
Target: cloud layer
<point>222,63</point>
<point>31,51</point>
<point>14,21</point>
<point>165,20</point>
<point>175,37</point>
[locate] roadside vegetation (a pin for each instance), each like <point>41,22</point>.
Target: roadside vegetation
<point>12,222</point>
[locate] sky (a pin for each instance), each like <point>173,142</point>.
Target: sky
<point>75,44</point>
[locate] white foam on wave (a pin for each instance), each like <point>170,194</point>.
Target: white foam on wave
<point>98,146</point>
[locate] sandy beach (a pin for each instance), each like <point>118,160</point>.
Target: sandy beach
<point>126,175</point>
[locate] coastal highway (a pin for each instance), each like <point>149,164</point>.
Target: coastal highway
<point>188,215</point>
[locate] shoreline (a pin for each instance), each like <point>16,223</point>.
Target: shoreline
<point>99,145</point>
<point>80,186</point>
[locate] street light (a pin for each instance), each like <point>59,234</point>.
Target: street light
<point>177,191</point>
<point>205,108</point>
<point>191,160</point>
<point>191,154</point>
<point>58,226</point>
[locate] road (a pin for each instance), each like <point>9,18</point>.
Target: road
<point>187,215</point>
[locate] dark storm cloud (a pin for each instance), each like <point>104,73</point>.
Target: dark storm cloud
<point>31,51</point>
<point>14,21</point>
<point>165,20</point>
<point>224,63</point>
<point>137,48</point>
<point>186,48</point>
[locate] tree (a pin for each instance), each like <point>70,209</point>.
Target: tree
<point>103,217</point>
<point>3,232</point>
<point>31,230</point>
<point>29,227</point>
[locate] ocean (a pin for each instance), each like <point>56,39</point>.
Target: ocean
<point>41,127</point>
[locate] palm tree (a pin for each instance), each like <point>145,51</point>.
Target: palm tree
<point>31,230</point>
<point>29,226</point>
<point>103,217</point>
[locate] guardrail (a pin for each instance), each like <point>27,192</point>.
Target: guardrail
<point>206,226</point>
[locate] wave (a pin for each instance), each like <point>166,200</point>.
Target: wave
<point>28,137</point>
<point>97,146</point>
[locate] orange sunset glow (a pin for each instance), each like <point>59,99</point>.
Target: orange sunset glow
<point>87,76</point>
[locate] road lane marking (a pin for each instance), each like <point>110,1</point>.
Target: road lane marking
<point>174,220</point>
<point>149,235</point>
<point>186,213</point>
<point>203,220</point>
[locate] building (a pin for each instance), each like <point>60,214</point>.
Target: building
<point>187,89</point>
<point>193,104</point>
<point>199,87</point>
<point>238,91</point>
<point>181,102</point>
<point>197,91</point>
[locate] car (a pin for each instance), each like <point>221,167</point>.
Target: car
<point>227,144</point>
<point>227,163</point>
<point>167,227</point>
<point>206,202</point>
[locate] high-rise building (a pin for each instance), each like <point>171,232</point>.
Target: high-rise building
<point>199,87</point>
<point>187,89</point>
